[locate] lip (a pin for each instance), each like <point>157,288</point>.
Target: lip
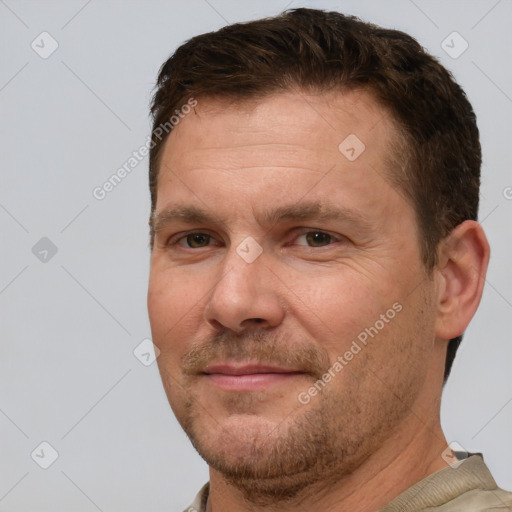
<point>246,369</point>
<point>248,377</point>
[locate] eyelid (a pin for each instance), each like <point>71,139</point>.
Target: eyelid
<point>175,239</point>
<point>178,237</point>
<point>304,231</point>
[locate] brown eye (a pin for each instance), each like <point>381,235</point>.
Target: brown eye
<point>318,239</point>
<point>196,240</point>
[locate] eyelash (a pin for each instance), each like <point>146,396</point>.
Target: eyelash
<point>183,237</point>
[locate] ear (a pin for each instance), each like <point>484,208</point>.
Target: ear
<point>460,274</point>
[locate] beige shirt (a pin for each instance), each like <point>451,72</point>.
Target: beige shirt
<point>466,487</point>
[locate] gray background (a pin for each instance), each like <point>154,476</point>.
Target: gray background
<point>70,323</point>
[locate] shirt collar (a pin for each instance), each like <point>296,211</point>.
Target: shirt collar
<point>444,485</point>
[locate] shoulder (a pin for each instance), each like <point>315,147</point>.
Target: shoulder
<point>465,486</point>
<point>480,500</point>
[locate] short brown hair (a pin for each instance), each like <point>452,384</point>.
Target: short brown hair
<point>438,168</point>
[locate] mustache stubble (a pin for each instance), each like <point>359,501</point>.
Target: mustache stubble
<point>261,346</point>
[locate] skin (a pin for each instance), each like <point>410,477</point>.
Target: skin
<point>373,430</point>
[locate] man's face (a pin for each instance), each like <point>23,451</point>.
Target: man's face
<point>279,253</point>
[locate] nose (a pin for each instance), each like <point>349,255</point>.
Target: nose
<point>245,296</point>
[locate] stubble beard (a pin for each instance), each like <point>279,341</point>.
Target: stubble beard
<point>312,448</point>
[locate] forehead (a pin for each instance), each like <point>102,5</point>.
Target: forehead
<point>282,129</point>
<point>240,159</point>
<point>239,162</point>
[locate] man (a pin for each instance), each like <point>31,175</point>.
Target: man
<point>315,261</point>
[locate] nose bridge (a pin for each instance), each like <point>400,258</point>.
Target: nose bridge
<point>245,294</point>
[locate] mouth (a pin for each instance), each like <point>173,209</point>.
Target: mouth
<point>248,377</point>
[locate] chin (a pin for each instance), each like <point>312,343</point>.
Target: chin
<point>237,439</point>
<point>267,462</point>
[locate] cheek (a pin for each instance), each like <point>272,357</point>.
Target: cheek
<point>400,354</point>
<point>338,304</point>
<point>172,303</point>
<point>169,313</point>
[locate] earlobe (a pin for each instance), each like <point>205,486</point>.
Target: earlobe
<point>462,266</point>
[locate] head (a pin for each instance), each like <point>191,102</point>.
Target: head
<point>314,197</point>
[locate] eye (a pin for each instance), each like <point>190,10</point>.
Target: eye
<point>194,240</point>
<point>316,238</point>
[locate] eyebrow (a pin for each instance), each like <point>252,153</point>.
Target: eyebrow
<point>313,211</point>
<point>301,211</point>
<point>184,214</point>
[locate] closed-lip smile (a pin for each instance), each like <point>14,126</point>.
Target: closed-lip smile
<point>232,376</point>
